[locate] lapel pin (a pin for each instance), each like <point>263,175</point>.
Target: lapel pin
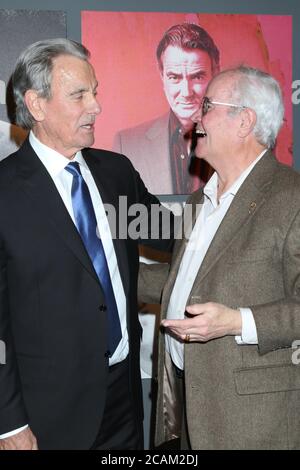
<point>252,207</point>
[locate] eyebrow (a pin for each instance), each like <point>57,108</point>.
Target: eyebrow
<point>83,90</point>
<point>200,72</point>
<point>192,74</point>
<point>79,90</point>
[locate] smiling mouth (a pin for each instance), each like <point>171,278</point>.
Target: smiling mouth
<point>200,133</point>
<point>189,105</point>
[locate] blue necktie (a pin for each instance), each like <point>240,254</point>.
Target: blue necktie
<point>87,226</point>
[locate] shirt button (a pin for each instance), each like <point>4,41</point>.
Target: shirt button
<point>102,308</point>
<point>182,156</point>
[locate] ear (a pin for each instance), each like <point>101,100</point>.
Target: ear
<point>34,104</point>
<point>160,68</point>
<point>247,122</point>
<point>161,73</point>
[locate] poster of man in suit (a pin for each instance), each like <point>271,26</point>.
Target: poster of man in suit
<point>138,105</point>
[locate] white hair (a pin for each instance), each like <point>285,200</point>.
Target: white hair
<point>259,91</point>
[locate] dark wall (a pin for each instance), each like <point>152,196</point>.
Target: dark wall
<point>280,7</point>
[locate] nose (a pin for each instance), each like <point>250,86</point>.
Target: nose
<point>97,106</point>
<point>94,105</point>
<point>185,87</point>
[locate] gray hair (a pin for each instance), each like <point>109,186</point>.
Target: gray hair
<point>33,71</point>
<point>259,91</point>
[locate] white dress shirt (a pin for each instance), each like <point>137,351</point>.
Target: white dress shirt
<point>55,164</point>
<point>206,226</point>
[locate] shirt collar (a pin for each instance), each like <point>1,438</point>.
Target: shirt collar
<point>51,159</point>
<point>211,188</point>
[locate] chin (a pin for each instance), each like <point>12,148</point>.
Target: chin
<point>187,115</point>
<point>199,153</point>
<point>88,142</point>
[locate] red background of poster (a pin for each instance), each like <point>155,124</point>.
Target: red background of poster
<point>123,45</point>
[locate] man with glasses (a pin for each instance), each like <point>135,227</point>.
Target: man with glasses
<point>231,304</point>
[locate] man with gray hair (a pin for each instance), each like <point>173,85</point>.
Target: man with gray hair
<point>231,304</point>
<point>68,307</point>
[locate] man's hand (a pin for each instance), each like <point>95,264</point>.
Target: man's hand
<point>206,321</point>
<point>23,440</point>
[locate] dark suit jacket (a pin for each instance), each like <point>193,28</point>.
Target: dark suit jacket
<point>244,396</point>
<point>55,334</point>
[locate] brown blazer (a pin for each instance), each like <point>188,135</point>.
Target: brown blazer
<point>245,396</point>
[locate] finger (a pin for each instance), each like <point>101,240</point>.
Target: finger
<point>179,326</point>
<point>188,338</point>
<point>184,337</point>
<point>195,309</point>
<point>176,332</point>
<point>173,323</point>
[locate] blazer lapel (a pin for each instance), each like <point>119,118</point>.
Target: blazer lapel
<point>245,204</point>
<point>197,201</point>
<point>39,187</point>
<point>247,201</point>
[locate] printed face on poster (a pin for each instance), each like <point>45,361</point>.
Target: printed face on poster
<point>147,102</point>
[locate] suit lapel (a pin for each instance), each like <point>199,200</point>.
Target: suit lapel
<point>36,182</point>
<point>110,195</point>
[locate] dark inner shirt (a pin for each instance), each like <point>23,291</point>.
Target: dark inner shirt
<point>188,173</point>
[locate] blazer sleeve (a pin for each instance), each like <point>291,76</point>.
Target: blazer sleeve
<point>12,410</point>
<point>278,322</point>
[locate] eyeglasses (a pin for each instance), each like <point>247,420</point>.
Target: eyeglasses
<point>207,105</point>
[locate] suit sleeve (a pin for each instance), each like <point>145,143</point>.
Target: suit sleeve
<point>278,322</point>
<point>12,409</point>
<point>158,221</point>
